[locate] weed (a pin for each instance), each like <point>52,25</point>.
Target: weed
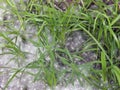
<point>54,27</point>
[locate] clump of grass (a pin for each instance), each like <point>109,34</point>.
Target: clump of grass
<point>53,27</point>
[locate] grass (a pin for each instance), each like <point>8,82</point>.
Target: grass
<point>101,28</point>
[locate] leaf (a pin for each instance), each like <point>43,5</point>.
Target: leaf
<point>116,71</point>
<point>103,62</point>
<point>115,20</point>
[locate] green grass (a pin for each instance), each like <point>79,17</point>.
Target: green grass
<point>102,30</point>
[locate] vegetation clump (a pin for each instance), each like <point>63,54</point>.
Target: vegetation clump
<point>70,36</point>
